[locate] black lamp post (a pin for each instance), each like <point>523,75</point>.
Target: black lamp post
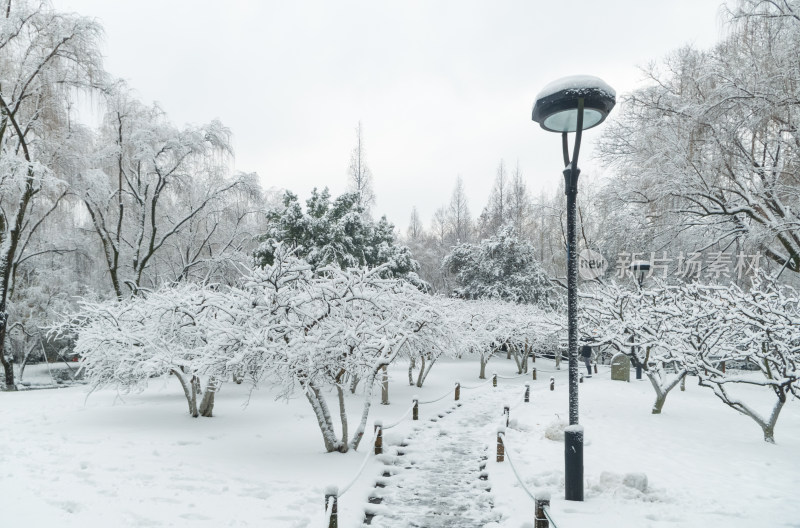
<point>573,104</point>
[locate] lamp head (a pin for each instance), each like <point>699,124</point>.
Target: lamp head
<point>556,108</point>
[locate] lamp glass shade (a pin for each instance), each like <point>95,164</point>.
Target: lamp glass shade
<point>556,108</point>
<point>567,120</point>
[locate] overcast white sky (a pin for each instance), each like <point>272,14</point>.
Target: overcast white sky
<point>442,88</point>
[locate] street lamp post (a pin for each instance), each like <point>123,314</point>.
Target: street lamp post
<point>573,104</point>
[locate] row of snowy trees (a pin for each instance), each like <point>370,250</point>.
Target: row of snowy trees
<point>728,337</point>
<point>305,330</point>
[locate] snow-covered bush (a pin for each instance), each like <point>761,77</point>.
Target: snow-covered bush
<point>502,267</point>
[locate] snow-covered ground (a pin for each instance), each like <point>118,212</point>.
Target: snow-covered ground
<point>140,460</point>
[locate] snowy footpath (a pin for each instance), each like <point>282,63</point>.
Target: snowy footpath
<point>436,478</point>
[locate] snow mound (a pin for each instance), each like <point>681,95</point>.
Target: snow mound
<point>629,486</point>
<point>635,480</point>
<point>555,430</point>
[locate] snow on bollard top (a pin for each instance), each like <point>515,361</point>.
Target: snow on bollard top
<point>332,490</point>
<point>527,383</point>
<point>415,398</point>
<point>543,495</point>
<point>501,429</point>
<point>378,423</point>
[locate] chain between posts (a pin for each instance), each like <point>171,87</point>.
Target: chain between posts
<point>332,493</point>
<point>543,520</point>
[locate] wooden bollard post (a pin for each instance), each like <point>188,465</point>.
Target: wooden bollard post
<point>501,452</point>
<point>542,501</point>
<point>552,383</point>
<point>331,503</point>
<point>527,392</point>
<point>378,437</point>
<point>581,379</point>
<point>458,391</point>
<point>507,412</point>
<point>723,367</point>
<point>534,374</point>
<point>494,380</point>
<point>415,412</point>
<point>595,368</point>
<point>683,383</point>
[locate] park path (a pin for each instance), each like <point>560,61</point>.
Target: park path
<point>438,478</point>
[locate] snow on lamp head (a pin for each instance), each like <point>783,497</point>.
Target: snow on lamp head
<point>556,108</point>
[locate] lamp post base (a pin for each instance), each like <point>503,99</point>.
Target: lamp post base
<point>573,463</point>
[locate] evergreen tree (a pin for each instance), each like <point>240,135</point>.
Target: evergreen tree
<point>500,267</point>
<point>334,233</point>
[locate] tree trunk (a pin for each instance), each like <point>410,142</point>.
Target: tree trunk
<point>187,390</point>
<point>207,404</point>
<point>385,387</point>
<point>425,375</point>
<point>353,384</point>
<point>323,418</point>
<point>421,371</point>
<point>342,416</point>
<point>8,367</point>
<point>195,383</point>
<point>368,388</point>
<point>517,359</point>
<point>411,371</point>
<point>526,352</point>
<point>483,367</point>
<point>662,390</point>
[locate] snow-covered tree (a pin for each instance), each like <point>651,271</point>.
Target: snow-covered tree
<point>459,223</point>
<point>644,324</point>
<point>497,212</point>
<point>415,230</point>
<point>756,329</point>
<point>159,197</point>
<point>334,233</point>
<point>500,267</point>
<point>46,57</point>
<point>316,327</point>
<point>729,337</point>
<point>709,150</point>
<point>359,175</point>
<point>186,330</point>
